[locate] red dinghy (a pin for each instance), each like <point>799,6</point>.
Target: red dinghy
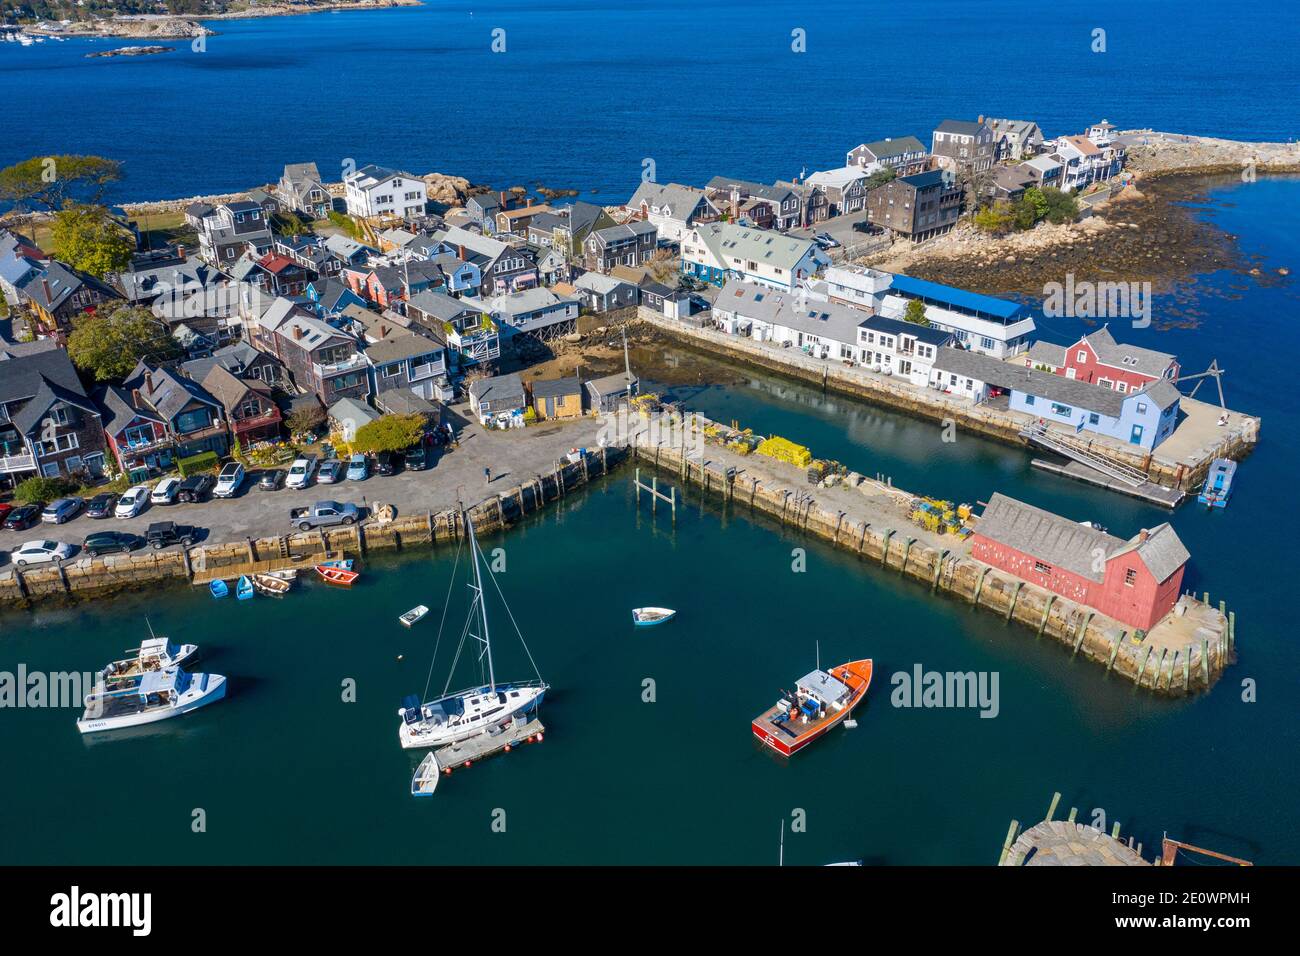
<point>821,701</point>
<point>333,575</point>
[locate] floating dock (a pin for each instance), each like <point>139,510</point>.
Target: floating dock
<point>468,752</point>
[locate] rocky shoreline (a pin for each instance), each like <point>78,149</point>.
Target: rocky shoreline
<point>185,27</point>
<point>132,51</point>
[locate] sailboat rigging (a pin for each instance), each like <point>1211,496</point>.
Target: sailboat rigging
<point>459,716</point>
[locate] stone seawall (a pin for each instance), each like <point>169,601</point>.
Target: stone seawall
<point>1196,666</point>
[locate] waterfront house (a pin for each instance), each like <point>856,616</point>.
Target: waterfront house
<point>49,426</point>
<point>1008,183</point>
<point>376,192</point>
<point>250,409</point>
<point>917,207</point>
<point>196,213</point>
<point>193,420</point>
<point>20,260</point>
<point>629,244</point>
<point>516,221</point>
<point>608,393</point>
<point>1135,581</point>
<point>994,326</point>
<point>667,301</point>
<point>858,286</point>
<point>1097,358</point>
<point>59,293</point>
<point>499,401</point>
<point>270,205</point>
<point>905,349</point>
<point>301,190</point>
<point>820,329</point>
<point>347,415</point>
<point>482,209</point>
<point>411,359</point>
<point>537,312</point>
<point>602,293</point>
<point>906,155</point>
<point>472,337</point>
<point>715,252</point>
<point>845,188</point>
<point>320,358</point>
<point>768,207</point>
<point>557,398</point>
<point>1084,161</point>
<point>815,205</point>
<point>231,229</point>
<point>569,235</point>
<point>672,208</point>
<point>1015,139</point>
<point>1046,171</point>
<point>968,146</point>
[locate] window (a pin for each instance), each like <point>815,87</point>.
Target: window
<point>1094,419</point>
<point>56,445</point>
<point>1122,387</point>
<point>1042,568</point>
<point>1130,577</point>
<point>1063,410</point>
<point>59,414</point>
<point>986,343</point>
<point>1029,399</point>
<point>1082,356</point>
<point>1142,408</point>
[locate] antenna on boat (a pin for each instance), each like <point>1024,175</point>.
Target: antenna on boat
<point>780,860</point>
<point>150,626</point>
<point>819,655</point>
<point>475,554</point>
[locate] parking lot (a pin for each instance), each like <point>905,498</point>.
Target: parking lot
<point>457,476</point>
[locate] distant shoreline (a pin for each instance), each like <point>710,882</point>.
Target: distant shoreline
<point>186,26</point>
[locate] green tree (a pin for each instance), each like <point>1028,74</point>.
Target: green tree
<point>389,433</point>
<point>54,181</point>
<point>996,220</point>
<point>1034,196</point>
<point>109,343</point>
<point>43,489</point>
<point>1023,214</point>
<point>290,224</point>
<point>1061,207</point>
<point>915,312</point>
<point>881,176</point>
<point>86,238</point>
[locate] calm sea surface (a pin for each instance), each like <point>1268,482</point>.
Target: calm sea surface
<point>287,772</point>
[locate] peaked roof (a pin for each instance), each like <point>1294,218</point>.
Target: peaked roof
<point>229,390</point>
<point>960,127</point>
<point>1146,361</point>
<point>891,148</point>
<point>672,199</point>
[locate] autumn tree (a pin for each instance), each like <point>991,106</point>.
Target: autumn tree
<point>87,238</point>
<point>52,182</point>
<point>109,343</point>
<point>389,433</point>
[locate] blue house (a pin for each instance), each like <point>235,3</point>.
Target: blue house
<point>1144,418</point>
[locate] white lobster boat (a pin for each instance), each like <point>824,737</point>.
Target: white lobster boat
<point>155,654</point>
<point>466,713</point>
<point>149,697</point>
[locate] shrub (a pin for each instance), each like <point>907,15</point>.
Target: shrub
<point>306,419</point>
<point>203,461</point>
<point>389,433</point>
<point>43,489</point>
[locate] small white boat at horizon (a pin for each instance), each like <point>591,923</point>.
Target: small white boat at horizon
<point>149,697</point>
<point>155,654</point>
<point>650,616</point>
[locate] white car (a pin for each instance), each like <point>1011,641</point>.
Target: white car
<point>164,493</point>
<point>132,502</point>
<point>40,552</point>
<point>300,473</point>
<point>229,481</point>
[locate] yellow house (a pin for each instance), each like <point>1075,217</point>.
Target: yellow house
<point>558,398</point>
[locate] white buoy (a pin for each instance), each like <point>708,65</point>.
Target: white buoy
<point>850,723</point>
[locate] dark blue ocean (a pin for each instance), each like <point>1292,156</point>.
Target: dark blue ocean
<point>585,91</point>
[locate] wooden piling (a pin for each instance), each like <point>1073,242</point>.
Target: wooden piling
<point>1015,596</point>
<point>1012,832</point>
<point>979,586</point>
<point>1047,611</point>
<point>1051,810</point>
<point>1115,650</point>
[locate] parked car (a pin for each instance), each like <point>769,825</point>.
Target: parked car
<point>132,502</point>
<point>323,514</point>
<point>868,227</point>
<point>388,463</point>
<point>329,472</point>
<point>418,457</point>
<point>4,511</point>
<point>102,505</point>
<point>230,480</point>
<point>111,542</point>
<point>300,472</point>
<point>827,241</point>
<point>40,552</point>
<point>270,479</point>
<point>24,516</point>
<point>162,533</point>
<point>196,488</point>
<point>358,468</point>
<point>164,493</point>
<point>62,509</point>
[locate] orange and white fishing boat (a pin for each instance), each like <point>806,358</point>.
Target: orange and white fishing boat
<point>820,701</point>
<point>333,575</point>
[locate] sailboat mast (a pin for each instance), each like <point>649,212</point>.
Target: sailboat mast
<point>482,600</point>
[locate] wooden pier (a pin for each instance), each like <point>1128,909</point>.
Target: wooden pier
<point>502,740</point>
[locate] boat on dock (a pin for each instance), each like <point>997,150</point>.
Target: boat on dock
<point>271,585</point>
<point>341,576</point>
<point>820,701</point>
<point>155,654</point>
<point>425,780</point>
<point>650,616</point>
<point>1218,483</point>
<point>479,710</point>
<point>218,588</point>
<point>343,564</point>
<point>414,615</point>
<point>284,574</point>
<point>149,697</point>
<point>244,589</point>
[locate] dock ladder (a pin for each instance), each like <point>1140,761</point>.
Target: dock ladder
<point>1037,434</point>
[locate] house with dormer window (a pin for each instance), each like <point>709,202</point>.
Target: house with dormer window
<point>49,426</point>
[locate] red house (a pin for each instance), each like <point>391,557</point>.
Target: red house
<point>1099,359</point>
<point>1135,582</point>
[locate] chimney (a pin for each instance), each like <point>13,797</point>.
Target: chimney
<point>981,119</point>
<point>460,253</point>
<point>148,382</point>
<point>1143,535</point>
<point>297,332</point>
<point>45,286</point>
<point>135,398</point>
<point>180,251</point>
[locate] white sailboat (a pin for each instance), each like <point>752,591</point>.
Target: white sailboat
<point>459,716</point>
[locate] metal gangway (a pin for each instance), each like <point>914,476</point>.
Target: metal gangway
<point>1037,433</point>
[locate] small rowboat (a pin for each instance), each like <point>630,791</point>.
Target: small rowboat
<point>244,589</point>
<point>344,564</point>
<point>425,780</point>
<point>287,574</point>
<point>332,575</point>
<point>414,615</point>
<point>650,616</point>
<point>270,585</point>
<point>218,587</point>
